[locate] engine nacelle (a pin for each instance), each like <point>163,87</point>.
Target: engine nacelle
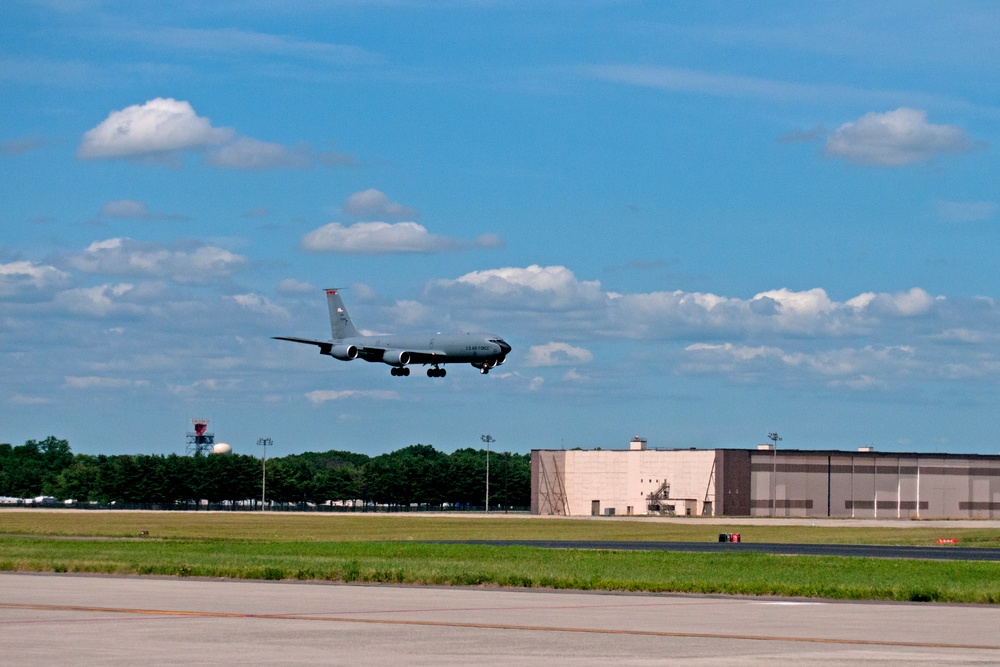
<point>344,352</point>
<point>396,357</point>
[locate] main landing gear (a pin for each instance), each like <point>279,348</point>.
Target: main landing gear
<point>436,372</point>
<point>400,371</point>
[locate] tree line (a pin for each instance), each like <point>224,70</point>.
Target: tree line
<point>418,475</point>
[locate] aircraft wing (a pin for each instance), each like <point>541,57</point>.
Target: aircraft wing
<point>427,357</point>
<point>324,345</point>
<point>384,354</point>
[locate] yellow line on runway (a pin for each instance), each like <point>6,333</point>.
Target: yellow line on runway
<point>493,626</point>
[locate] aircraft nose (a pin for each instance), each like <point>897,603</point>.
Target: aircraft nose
<point>504,347</point>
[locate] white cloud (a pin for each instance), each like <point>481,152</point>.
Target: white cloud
<point>534,277</point>
<point>683,80</point>
<point>383,238</point>
<point>159,130</point>
<point>98,382</point>
<point>554,301</point>
<point>209,384</point>
<point>259,304</point>
<point>253,155</point>
<point>411,313</point>
<point>371,203</point>
<point>871,366</point>
<point>530,288</point>
<point>895,138</point>
<point>324,395</point>
<point>234,41</point>
<point>911,303</point>
<point>135,209</point>
<point>964,335</point>
<point>557,354</point>
<point>181,263</point>
<point>161,125</point>
<point>99,301</point>
<point>20,277</point>
<point>19,399</point>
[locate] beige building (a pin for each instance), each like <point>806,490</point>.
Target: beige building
<point>764,482</point>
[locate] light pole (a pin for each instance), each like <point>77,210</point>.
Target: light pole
<point>774,438</point>
<point>487,439</point>
<point>265,443</point>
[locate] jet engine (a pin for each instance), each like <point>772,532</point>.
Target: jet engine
<point>396,357</point>
<point>344,352</point>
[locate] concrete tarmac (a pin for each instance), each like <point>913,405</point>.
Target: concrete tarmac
<point>82,620</point>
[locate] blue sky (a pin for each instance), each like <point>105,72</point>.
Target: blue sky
<point>695,222</point>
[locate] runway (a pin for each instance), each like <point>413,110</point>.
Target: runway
<point>95,620</point>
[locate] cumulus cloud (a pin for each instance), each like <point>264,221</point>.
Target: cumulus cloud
<point>855,368</point>
<point>383,238</point>
<point>19,278</point>
<point>134,209</point>
<point>159,130</point>
<point>371,203</point>
<point>537,293</point>
<point>895,138</point>
<point>183,263</point>
<point>324,395</point>
<point>965,335</point>
<point>531,287</point>
<point>161,125</point>
<point>557,354</point>
<point>100,301</point>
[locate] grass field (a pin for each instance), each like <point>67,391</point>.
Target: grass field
<point>386,548</point>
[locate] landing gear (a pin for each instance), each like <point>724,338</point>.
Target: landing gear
<point>398,372</point>
<point>484,370</point>
<point>436,372</point>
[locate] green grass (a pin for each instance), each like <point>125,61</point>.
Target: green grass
<point>436,564</point>
<point>386,527</point>
<point>366,548</point>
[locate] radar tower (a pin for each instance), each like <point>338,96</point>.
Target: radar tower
<point>200,441</point>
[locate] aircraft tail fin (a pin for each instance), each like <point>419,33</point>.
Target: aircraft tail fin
<point>340,322</point>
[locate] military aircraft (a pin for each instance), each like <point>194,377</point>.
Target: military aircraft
<point>482,350</point>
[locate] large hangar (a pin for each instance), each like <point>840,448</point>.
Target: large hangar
<point>764,481</point>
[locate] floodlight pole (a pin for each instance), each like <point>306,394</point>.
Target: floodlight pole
<point>774,438</point>
<point>265,443</point>
<point>487,439</point>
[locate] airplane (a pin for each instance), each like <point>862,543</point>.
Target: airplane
<point>482,350</point>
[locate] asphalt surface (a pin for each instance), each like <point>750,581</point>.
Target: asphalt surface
<point>93,620</point>
<point>853,550</point>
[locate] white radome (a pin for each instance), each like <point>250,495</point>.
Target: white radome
<point>222,448</point>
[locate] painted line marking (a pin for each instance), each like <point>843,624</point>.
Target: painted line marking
<point>496,626</point>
